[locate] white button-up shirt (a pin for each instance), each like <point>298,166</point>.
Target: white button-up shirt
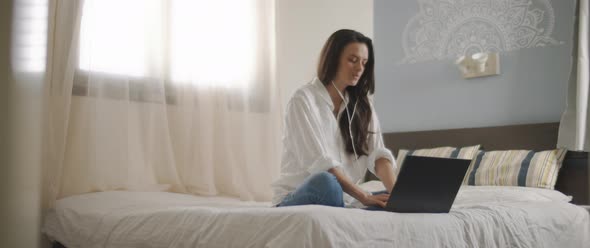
<point>312,142</point>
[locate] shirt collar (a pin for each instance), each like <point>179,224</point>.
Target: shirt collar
<point>323,92</point>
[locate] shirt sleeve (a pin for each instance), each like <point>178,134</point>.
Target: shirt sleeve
<point>376,147</point>
<point>303,134</point>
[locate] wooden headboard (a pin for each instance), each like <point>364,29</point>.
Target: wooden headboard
<point>573,176</point>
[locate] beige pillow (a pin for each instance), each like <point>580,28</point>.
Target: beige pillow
<point>516,168</point>
<point>468,152</point>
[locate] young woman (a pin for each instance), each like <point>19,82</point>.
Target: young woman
<point>332,134</point>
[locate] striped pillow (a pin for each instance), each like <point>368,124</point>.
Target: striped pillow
<point>516,168</point>
<point>468,152</point>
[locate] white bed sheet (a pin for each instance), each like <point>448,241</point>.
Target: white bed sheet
<point>481,217</point>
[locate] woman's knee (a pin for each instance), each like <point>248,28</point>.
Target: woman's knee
<point>329,189</point>
<point>326,185</point>
<point>325,180</point>
<point>321,188</point>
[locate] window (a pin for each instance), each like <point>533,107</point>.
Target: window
<point>29,38</point>
<point>113,36</point>
<point>201,42</point>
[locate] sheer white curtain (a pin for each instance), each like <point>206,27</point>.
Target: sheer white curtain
<point>175,95</point>
<point>573,128</point>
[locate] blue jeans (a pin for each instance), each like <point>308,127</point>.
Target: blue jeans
<point>319,189</point>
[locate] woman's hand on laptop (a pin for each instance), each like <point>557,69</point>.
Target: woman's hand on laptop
<point>355,191</point>
<point>379,200</point>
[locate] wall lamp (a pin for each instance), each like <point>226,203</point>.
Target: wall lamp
<point>479,65</point>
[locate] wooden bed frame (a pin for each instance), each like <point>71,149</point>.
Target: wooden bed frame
<point>573,176</point>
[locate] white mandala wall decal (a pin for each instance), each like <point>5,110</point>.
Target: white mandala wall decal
<point>449,28</point>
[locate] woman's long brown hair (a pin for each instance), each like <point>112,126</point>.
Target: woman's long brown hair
<point>327,69</point>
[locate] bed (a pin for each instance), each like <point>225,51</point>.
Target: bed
<point>481,216</point>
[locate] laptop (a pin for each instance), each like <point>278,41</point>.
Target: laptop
<point>426,185</point>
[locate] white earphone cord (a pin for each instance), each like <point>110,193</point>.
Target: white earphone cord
<point>349,119</point>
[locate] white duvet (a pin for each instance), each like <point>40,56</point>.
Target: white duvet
<point>481,217</point>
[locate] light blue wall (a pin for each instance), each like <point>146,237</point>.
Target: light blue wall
<point>431,94</point>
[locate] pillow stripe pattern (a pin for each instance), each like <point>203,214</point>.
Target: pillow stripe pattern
<point>455,153</point>
<point>473,168</point>
<point>440,152</point>
<point>524,168</point>
<point>517,168</point>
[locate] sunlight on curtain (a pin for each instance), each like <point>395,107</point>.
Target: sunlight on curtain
<point>172,95</point>
<point>113,34</point>
<point>205,43</point>
<point>29,38</point>
<point>213,42</point>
